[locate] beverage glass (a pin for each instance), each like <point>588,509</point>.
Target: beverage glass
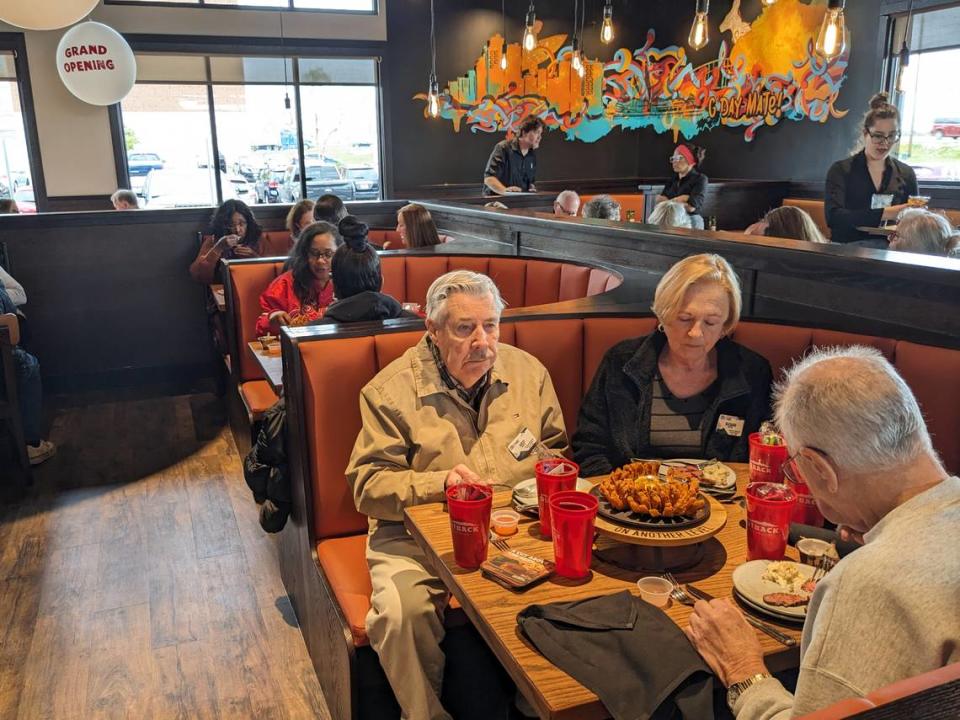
<point>573,514</point>
<point>469,507</point>
<point>766,461</point>
<point>553,475</point>
<point>769,509</point>
<point>805,511</point>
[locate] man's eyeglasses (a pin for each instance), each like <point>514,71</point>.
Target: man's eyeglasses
<point>560,208</point>
<point>881,138</point>
<point>320,254</point>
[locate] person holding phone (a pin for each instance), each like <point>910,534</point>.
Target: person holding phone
<point>233,233</point>
<point>870,186</point>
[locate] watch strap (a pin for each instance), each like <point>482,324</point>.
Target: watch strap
<point>738,688</point>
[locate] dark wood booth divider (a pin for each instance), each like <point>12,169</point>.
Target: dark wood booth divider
<point>322,547</point>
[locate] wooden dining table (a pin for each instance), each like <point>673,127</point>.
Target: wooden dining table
<point>493,608</point>
<point>270,365</point>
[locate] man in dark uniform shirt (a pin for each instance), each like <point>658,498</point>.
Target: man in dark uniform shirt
<point>512,166</point>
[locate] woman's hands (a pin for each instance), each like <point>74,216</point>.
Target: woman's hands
<point>280,317</point>
<point>244,251</point>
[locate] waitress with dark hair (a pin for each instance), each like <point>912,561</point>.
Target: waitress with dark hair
<point>688,185</point>
<point>357,280</point>
<point>869,187</point>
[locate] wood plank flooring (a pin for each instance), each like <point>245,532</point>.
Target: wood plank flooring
<point>135,581</point>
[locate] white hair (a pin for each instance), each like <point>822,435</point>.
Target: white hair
<point>921,231</point>
<point>850,404</point>
<point>459,281</point>
<point>566,195</point>
<point>602,207</point>
<point>670,213</point>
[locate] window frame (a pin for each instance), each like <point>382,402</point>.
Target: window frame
<point>892,13</point>
<point>15,43</point>
<point>208,47</point>
<point>204,5</point>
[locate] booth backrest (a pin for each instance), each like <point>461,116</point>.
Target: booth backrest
<point>276,243</point>
<point>335,370</point>
<point>386,238</point>
<point>627,203</point>
<point>814,208</point>
<point>522,283</point>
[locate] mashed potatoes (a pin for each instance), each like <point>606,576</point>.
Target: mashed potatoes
<point>785,574</point>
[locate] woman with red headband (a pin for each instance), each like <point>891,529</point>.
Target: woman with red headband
<point>688,185</point>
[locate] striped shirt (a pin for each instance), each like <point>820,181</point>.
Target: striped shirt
<point>675,423</point>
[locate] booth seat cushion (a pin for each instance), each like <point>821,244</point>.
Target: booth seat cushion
<point>344,564</point>
<point>258,397</point>
<point>388,239</point>
<point>841,709</point>
<point>911,686</point>
<point>248,281</point>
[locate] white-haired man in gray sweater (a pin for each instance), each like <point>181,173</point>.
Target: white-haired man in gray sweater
<point>888,611</point>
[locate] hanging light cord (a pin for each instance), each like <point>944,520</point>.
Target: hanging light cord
<point>906,30</point>
<point>503,16</point>
<point>576,19</point>
<point>433,43</point>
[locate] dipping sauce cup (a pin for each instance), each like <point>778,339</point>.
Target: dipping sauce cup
<point>553,475</point>
<point>573,516</point>
<point>766,461</point>
<point>769,509</point>
<point>469,507</point>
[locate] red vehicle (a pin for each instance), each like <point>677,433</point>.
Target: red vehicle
<point>946,127</point>
<point>26,202</point>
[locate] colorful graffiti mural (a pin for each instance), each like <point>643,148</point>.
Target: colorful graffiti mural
<point>768,71</point>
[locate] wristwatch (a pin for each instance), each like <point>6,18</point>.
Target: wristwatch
<point>737,689</point>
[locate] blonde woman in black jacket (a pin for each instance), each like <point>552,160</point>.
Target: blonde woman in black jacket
<point>686,390</point>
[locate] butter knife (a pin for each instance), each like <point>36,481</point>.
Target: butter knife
<point>758,624</point>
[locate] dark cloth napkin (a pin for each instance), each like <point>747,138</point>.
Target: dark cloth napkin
<point>634,657</point>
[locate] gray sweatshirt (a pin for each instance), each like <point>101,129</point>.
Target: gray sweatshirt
<point>889,611</point>
<point>14,289</point>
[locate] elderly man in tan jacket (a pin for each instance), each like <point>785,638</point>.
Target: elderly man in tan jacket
<point>446,411</point>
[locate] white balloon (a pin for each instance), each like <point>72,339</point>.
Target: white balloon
<point>45,14</point>
<point>96,64</point>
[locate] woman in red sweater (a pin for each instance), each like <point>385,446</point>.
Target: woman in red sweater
<point>301,294</point>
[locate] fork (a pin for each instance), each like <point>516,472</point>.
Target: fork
<point>682,597</point>
<point>500,544</point>
<point>824,565</point>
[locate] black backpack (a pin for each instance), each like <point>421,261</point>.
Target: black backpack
<point>265,470</point>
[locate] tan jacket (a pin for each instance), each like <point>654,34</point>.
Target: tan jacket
<point>415,430</point>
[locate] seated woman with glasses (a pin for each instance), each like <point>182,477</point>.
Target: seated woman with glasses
<point>869,186</point>
<point>233,233</point>
<point>688,185</point>
<point>301,294</point>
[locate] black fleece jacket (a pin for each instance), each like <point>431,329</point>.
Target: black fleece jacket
<point>614,421</point>
<point>365,306</point>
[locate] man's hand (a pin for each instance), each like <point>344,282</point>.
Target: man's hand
<point>280,317</point>
<point>725,640</point>
<point>532,188</point>
<point>849,535</point>
<point>512,188</point>
<point>461,474</point>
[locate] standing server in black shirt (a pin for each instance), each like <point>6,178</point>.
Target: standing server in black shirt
<point>869,187</point>
<point>512,166</point>
<point>688,185</point>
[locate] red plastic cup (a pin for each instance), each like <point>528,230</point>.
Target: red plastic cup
<point>469,507</point>
<point>573,514</point>
<point>551,478</point>
<point>769,510</point>
<point>766,461</point>
<point>805,511</point>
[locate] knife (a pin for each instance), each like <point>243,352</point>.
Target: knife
<point>758,624</point>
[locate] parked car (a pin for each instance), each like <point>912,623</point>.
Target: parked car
<point>141,163</point>
<point>242,190</point>
<point>323,178</point>
<point>26,202</point>
<point>184,188</point>
<point>366,182</point>
<point>268,186</point>
<point>946,127</point>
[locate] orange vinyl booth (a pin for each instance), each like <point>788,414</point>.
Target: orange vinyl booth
<point>522,282</point>
<point>322,547</point>
<point>628,203</point>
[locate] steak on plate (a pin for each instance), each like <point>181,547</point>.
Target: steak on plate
<point>786,599</point>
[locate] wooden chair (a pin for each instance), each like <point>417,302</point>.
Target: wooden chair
<point>9,401</point>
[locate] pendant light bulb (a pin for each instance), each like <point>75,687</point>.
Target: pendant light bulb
<point>832,38</point>
<point>529,36</point>
<point>503,58</point>
<point>903,62</point>
<point>768,3</point>
<point>699,31</point>
<point>575,61</point>
<point>606,30</point>
<point>433,97</point>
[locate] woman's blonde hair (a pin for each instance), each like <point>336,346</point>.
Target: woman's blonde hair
<point>304,206</point>
<point>794,223</point>
<point>695,270</point>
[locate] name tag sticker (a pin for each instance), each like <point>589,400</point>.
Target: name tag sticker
<point>878,201</point>
<point>731,425</point>
<point>522,444</point>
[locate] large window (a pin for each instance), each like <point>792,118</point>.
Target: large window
<point>929,103</point>
<point>199,130</point>
<point>366,6</point>
<point>15,177</point>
